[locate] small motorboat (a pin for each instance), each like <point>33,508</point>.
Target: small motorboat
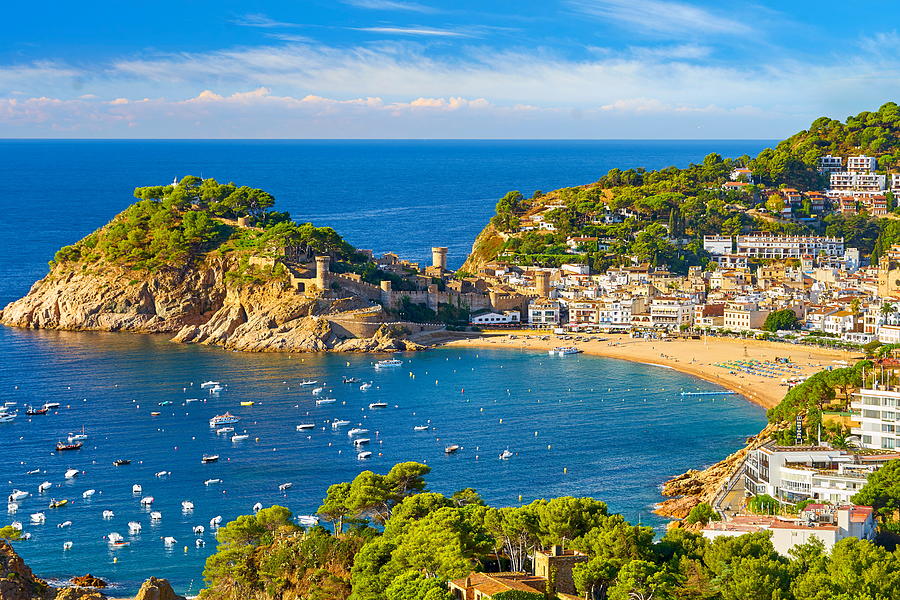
<point>7,417</point>
<point>339,423</point>
<point>60,447</point>
<point>65,524</point>
<point>36,411</point>
<point>378,405</point>
<point>308,520</point>
<point>72,473</point>
<point>199,543</point>
<point>360,441</point>
<point>199,530</point>
<point>421,428</point>
<point>44,487</point>
<point>67,545</point>
<point>88,494</point>
<point>51,405</point>
<point>222,430</point>
<point>322,401</point>
<point>156,516</point>
<point>209,384</point>
<point>308,382</point>
<point>257,507</point>
<point>115,538</point>
<point>350,379</point>
<point>356,431</point>
<point>239,438</point>
<point>147,500</point>
<point>75,437</point>
<point>58,503</point>
<point>363,455</point>
<point>506,455</point>
<point>134,527</point>
<point>33,472</point>
<point>164,473</point>
<point>169,541</point>
<point>305,426</point>
<point>165,403</point>
<point>247,403</point>
<point>317,391</point>
<point>121,462</point>
<point>285,486</point>
<point>212,481</point>
<point>155,414</point>
<point>189,400</point>
<point>216,389</point>
<point>136,489</point>
<point>209,458</point>
<point>187,505</point>
<point>215,521</point>
<point>108,514</point>
<point>391,362</point>
<point>451,449</point>
<point>17,495</point>
<point>12,508</point>
<point>226,419</point>
<point>365,386</point>
<point>38,518</point>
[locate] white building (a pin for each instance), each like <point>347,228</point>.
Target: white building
<point>667,312</point>
<point>855,184</point>
<point>839,322</point>
<point>744,317</point>
<point>877,412</point>
<point>717,245</point>
<point>863,164</point>
<point>771,246</point>
<point>830,524</point>
<point>495,318</point>
<point>830,164</point>
<point>544,312</point>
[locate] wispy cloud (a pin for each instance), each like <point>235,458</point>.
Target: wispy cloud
<point>416,31</point>
<point>661,17</point>
<point>290,37</point>
<point>391,5</point>
<point>262,21</point>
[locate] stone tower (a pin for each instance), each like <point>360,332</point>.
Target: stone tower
<point>439,258</point>
<point>542,283</point>
<point>322,272</point>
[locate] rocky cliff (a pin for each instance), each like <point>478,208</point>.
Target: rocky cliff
<point>197,304</point>
<point>17,582</point>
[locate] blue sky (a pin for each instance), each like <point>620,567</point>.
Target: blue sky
<point>430,69</point>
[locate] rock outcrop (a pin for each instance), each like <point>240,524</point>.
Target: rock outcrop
<point>198,304</point>
<point>17,582</point>
<point>88,581</point>
<point>157,589</point>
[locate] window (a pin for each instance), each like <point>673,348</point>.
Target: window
<point>887,443</point>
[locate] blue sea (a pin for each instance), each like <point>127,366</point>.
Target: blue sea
<point>577,425</point>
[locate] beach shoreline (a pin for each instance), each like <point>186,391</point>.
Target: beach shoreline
<point>689,356</point>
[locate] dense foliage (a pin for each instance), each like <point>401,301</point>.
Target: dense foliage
<point>173,225</point>
<point>394,540</point>
<point>781,320</point>
<point>882,491</point>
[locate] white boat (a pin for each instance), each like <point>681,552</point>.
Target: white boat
<point>363,455</point>
<point>257,507</point>
<point>421,428</point>
<point>199,543</point>
<point>147,501</point>
<point>216,389</point>
<point>17,495</point>
<point>188,400</point>
<point>378,405</point>
<point>134,527</point>
<point>44,487</point>
<point>239,438</point>
<point>187,505</point>
<point>506,454</point>
<point>339,423</point>
<point>360,441</point>
<point>322,401</point>
<point>285,486</point>
<point>563,351</point>
<point>222,430</point>
<point>156,516</point>
<point>114,538</point>
<point>365,386</point>
<point>391,362</point>
<point>308,520</point>
<point>7,417</point>
<point>33,472</point>
<point>317,391</point>
<point>208,384</point>
<point>356,431</point>
<point>67,545</point>
<point>65,524</point>
<point>209,458</point>
<point>212,481</point>
<point>78,437</point>
<point>108,514</point>
<point>8,404</point>
<point>199,529</point>
<point>308,382</point>
<point>305,426</point>
<point>88,493</point>
<point>12,508</point>
<point>72,473</point>
<point>164,473</point>
<point>51,405</point>
<point>38,518</point>
<point>169,541</point>
<point>215,521</point>
<point>451,449</point>
<point>136,489</point>
<point>226,419</point>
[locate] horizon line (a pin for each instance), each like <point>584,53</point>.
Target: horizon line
<point>316,139</point>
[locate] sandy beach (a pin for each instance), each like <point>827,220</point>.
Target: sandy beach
<point>695,357</point>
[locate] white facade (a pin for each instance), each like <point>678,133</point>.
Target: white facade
<point>788,246</point>
<point>877,412</point>
<point>862,163</point>
<point>671,313</point>
<point>855,184</point>
<point>830,163</point>
<point>717,245</point>
<point>493,318</point>
<point>544,312</point>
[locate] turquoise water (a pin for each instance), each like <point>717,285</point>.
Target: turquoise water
<point>619,429</point>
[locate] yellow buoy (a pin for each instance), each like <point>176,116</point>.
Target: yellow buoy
<point>565,469</point>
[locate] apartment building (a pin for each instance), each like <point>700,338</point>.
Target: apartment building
<point>855,184</point>
<point>830,164</point>
<point>771,246</point>
<point>669,312</point>
<point>718,245</point>
<point>544,311</point>
<point>877,412</point>
<point>861,164</point>
<point>743,317</point>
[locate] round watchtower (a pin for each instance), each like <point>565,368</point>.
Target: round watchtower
<point>542,283</point>
<point>439,258</point>
<point>323,272</point>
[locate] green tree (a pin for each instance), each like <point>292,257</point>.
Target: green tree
<point>882,490</point>
<point>643,580</point>
<point>593,578</point>
<point>781,320</point>
<point>702,513</point>
<point>10,533</point>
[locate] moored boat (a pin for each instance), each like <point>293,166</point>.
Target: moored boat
<point>363,455</point>
<point>60,447</point>
<point>378,405</point>
<point>452,448</point>
<point>391,362</point>
<point>209,458</point>
<point>120,462</point>
<point>226,419</point>
<point>305,426</point>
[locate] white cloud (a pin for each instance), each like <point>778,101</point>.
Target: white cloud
<point>661,17</point>
<point>426,31</point>
<point>391,5</point>
<point>262,21</point>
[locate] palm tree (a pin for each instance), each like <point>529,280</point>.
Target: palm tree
<point>887,309</point>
